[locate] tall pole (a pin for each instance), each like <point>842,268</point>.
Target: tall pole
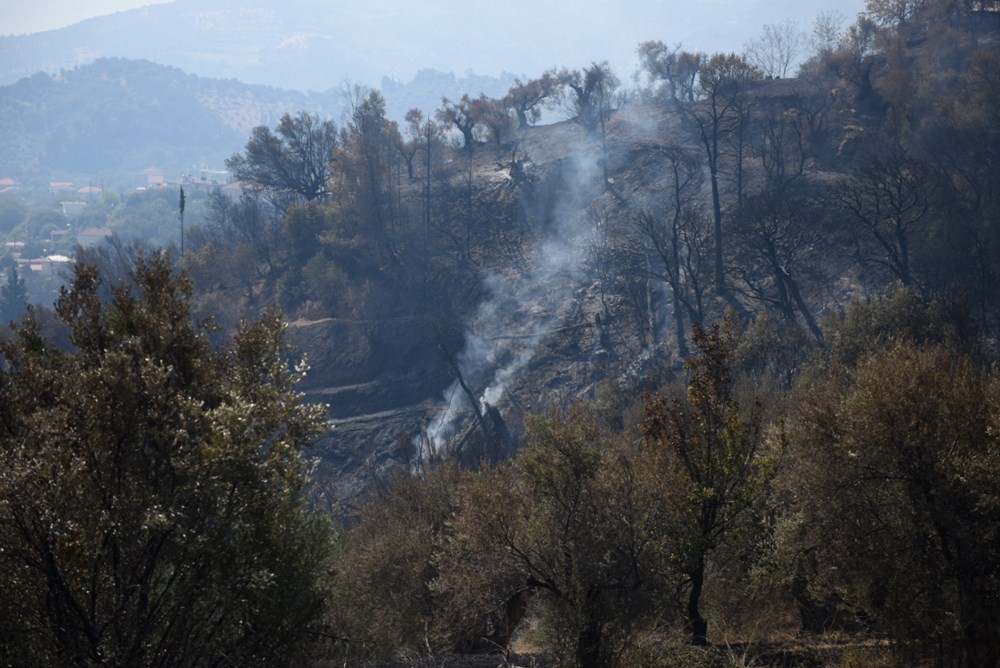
<point>182,221</point>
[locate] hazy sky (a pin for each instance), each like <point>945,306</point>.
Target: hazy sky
<point>366,40</point>
<point>28,16</point>
<point>25,16</point>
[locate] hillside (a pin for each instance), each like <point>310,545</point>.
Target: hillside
<point>705,374</point>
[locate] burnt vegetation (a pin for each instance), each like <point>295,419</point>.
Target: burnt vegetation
<point>718,356</point>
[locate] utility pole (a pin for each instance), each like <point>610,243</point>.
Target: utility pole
<point>182,221</point>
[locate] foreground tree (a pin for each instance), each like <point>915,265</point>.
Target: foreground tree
<point>895,461</point>
<point>152,490</point>
<point>386,599</point>
<point>709,454</point>
<point>568,524</point>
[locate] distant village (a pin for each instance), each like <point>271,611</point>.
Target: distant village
<point>41,259</point>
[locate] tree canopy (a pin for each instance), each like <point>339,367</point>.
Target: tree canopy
<point>153,502</point>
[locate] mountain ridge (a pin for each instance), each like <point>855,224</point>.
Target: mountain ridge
<point>60,124</point>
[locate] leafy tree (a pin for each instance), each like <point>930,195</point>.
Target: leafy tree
<point>99,212</point>
<point>386,598</point>
<point>39,222</point>
<point>710,456</point>
<point>528,98</point>
<point>893,13</point>
<point>493,115</point>
<point>409,146</point>
<point>660,63</point>
<point>459,114</point>
<point>894,472</point>
<point>365,160</point>
<point>295,158</point>
<point>153,502</point>
<point>678,68</point>
<point>592,91</point>
<point>568,525</point>
<point>151,215</point>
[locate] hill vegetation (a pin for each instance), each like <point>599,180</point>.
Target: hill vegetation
<point>711,363</point>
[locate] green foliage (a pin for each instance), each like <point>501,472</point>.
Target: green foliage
<point>710,456</point>
<point>386,601</point>
<point>895,514</point>
<point>152,490</point>
<point>569,523</point>
<point>295,158</point>
<point>897,315</point>
<point>113,116</point>
<point>894,467</point>
<point>39,222</point>
<point>99,211</point>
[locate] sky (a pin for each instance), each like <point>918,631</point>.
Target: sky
<point>28,16</point>
<point>18,17</point>
<point>366,40</point>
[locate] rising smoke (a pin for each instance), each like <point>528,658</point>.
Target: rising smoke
<point>522,307</point>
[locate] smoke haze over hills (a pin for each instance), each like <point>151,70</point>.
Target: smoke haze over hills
<point>305,45</point>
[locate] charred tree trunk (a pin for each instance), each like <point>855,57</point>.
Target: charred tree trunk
<point>697,624</point>
<point>588,645</point>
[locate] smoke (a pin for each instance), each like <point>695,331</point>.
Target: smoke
<point>521,308</point>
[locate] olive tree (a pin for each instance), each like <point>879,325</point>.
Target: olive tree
<point>153,502</point>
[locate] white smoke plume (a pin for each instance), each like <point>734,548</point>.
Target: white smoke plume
<point>522,307</point>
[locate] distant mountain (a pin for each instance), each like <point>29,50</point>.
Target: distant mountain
<point>313,45</point>
<point>294,44</point>
<point>118,116</point>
